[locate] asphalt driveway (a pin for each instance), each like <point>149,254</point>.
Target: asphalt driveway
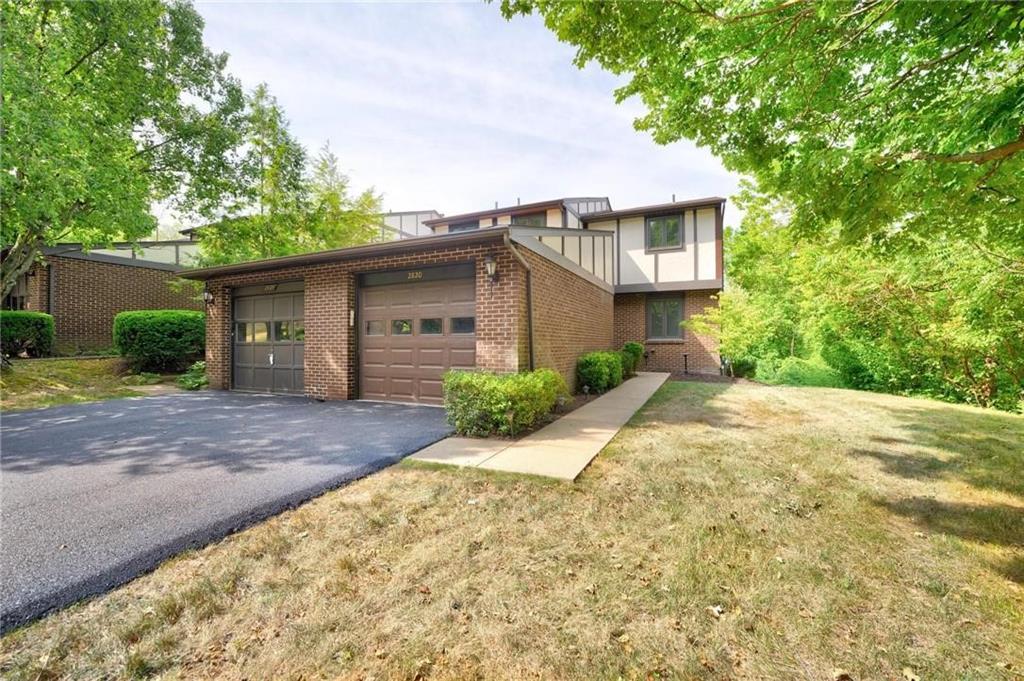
<point>92,495</point>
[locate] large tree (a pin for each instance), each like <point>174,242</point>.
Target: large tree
<point>887,117</point>
<point>284,205</point>
<point>107,107</point>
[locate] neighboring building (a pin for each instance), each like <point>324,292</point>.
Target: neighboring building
<point>406,224</point>
<point>508,289</point>
<point>85,290</point>
<point>394,225</point>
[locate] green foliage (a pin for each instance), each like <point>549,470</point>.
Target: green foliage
<point>636,351</point>
<point>866,115</point>
<point>599,371</point>
<point>109,107</point>
<point>628,364</point>
<point>195,377</point>
<point>160,340</point>
<point>939,317</point>
<point>797,371</point>
<point>24,331</point>
<point>483,404</point>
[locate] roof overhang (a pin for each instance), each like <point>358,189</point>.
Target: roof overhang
<point>494,212</point>
<point>413,245</point>
<point>657,209</point>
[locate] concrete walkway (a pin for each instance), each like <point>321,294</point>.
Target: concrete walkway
<point>560,450</point>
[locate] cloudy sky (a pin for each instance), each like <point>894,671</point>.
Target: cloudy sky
<point>448,106</point>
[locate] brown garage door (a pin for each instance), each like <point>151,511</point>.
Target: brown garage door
<point>269,339</point>
<point>411,333</point>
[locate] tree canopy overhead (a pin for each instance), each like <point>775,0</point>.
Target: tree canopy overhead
<point>108,107</point>
<point>886,117</point>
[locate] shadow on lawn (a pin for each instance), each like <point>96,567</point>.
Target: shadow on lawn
<point>984,450</point>
<point>691,401</point>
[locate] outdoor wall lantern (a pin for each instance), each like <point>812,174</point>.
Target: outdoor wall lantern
<point>207,297</point>
<point>491,268</point>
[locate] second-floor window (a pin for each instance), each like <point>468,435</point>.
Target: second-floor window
<point>463,226</point>
<point>531,220</point>
<point>664,233</point>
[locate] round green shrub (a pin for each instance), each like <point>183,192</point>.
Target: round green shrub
<point>636,350</point>
<point>599,371</point>
<point>160,340</point>
<point>25,331</point>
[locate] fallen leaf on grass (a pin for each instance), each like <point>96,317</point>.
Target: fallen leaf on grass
<point>841,675</point>
<point>716,611</point>
<point>909,675</point>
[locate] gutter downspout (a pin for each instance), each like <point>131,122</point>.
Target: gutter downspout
<point>529,293</point>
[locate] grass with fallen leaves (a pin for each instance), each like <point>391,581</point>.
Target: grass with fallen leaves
<point>728,532</point>
<point>31,384</point>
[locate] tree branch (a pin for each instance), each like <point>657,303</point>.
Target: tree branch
<point>85,56</point>
<point>978,157</point>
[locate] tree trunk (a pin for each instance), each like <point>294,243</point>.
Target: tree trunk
<point>19,260</point>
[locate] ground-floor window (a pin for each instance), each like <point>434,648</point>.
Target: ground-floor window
<point>664,314</point>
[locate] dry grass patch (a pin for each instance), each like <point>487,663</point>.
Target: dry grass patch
<point>32,384</point>
<point>728,532</point>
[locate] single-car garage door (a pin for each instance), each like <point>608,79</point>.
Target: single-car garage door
<point>415,325</point>
<point>268,334</point>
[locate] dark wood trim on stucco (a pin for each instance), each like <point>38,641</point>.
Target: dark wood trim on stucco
<point>668,287</point>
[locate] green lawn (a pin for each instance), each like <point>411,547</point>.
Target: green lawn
<point>729,532</point>
<point>31,384</point>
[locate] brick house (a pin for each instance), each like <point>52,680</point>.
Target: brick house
<point>507,289</point>
<point>85,290</point>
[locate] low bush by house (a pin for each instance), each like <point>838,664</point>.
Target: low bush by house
<point>482,404</point>
<point>599,371</point>
<point>160,340</point>
<point>195,378</point>
<point>636,351</point>
<point>22,331</point>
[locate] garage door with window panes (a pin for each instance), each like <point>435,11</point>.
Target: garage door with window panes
<point>269,336</point>
<point>413,326</point>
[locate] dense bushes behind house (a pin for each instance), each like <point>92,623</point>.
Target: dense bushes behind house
<point>22,331</point>
<point>160,340</point>
<point>482,403</point>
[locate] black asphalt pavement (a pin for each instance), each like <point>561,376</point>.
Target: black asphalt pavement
<point>92,495</point>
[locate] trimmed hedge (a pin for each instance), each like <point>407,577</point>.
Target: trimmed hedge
<point>481,403</point>
<point>160,340</point>
<point>25,331</point>
<point>599,371</point>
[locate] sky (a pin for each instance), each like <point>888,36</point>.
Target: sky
<point>447,106</point>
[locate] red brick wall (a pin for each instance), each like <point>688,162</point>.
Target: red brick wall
<point>701,351</point>
<point>37,298</point>
<point>571,316</point>
<point>330,293</point>
<point>88,294</point>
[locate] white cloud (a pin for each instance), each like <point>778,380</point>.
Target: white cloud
<point>448,106</point>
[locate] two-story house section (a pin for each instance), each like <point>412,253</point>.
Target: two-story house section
<point>668,267</point>
<point>504,289</point>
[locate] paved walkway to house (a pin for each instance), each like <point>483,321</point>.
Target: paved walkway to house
<point>559,450</point>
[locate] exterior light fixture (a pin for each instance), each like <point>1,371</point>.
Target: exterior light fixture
<point>491,268</point>
<point>207,297</point>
